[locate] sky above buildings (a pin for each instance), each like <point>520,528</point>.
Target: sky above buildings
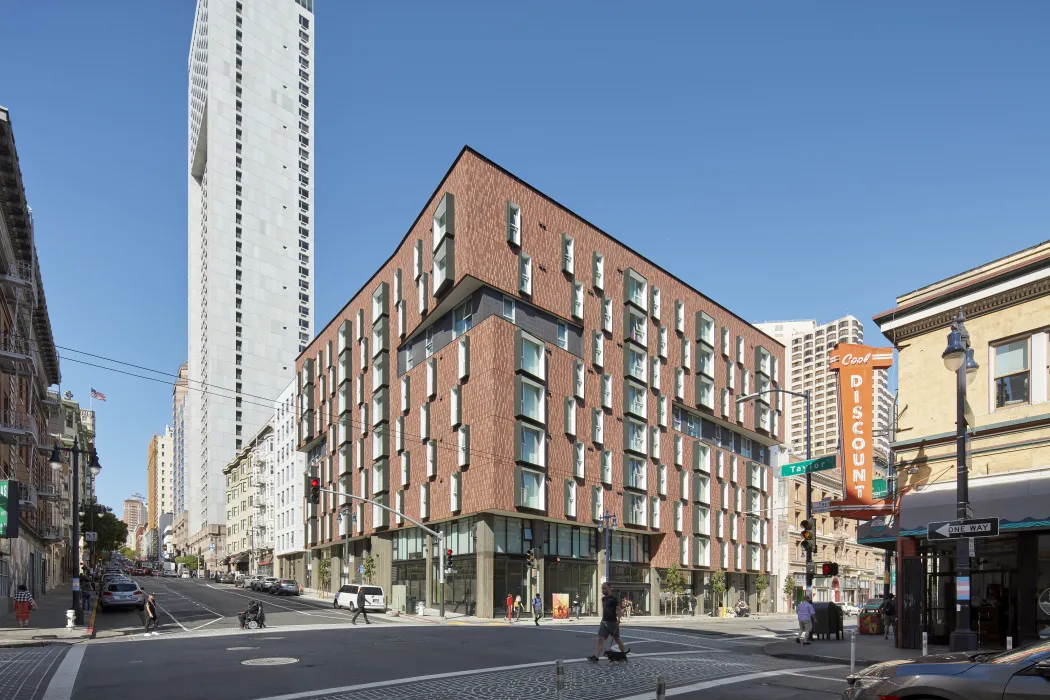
<point>800,160</point>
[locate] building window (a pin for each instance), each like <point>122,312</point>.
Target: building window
<point>1011,374</point>
<point>563,336</point>
<point>508,309</point>
<point>462,321</point>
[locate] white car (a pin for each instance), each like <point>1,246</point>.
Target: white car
<point>375,599</point>
<point>849,609</point>
<point>185,574</point>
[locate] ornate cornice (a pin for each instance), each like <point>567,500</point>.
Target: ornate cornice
<point>981,307</point>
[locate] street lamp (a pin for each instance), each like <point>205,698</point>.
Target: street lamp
<point>95,468</point>
<point>958,358</point>
<point>809,475</point>
<point>607,527</point>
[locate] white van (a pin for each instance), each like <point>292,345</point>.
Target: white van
<point>375,599</point>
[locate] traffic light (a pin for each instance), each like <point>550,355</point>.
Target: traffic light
<point>530,558</point>
<point>808,544</point>
<point>448,560</point>
<point>829,569</point>
<point>314,492</point>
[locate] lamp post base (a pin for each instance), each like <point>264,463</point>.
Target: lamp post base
<point>962,640</point>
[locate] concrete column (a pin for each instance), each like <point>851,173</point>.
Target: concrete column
<point>539,533</point>
<point>601,570</point>
<point>654,591</point>
<point>486,553</point>
<point>383,557</point>
<point>336,568</point>
<point>315,564</point>
<point>428,573</point>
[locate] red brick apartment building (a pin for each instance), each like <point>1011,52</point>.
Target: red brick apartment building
<point>511,374</point>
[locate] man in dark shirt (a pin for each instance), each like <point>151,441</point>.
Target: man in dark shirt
<point>610,627</point>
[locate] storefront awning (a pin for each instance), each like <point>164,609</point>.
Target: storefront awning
<point>1019,500</point>
<point>266,560</point>
<point>239,559</point>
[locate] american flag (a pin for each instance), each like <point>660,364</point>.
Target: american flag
<point>98,395</point>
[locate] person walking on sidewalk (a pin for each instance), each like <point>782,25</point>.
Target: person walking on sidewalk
<point>889,616</point>
<point>537,609</point>
<point>24,605</point>
<point>510,607</point>
<point>359,607</point>
<point>806,613</point>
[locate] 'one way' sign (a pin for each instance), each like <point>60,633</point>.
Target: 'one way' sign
<point>954,529</point>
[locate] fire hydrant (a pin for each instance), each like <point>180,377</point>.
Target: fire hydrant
<point>69,619</point>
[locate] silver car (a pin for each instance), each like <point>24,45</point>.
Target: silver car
<point>1019,674</point>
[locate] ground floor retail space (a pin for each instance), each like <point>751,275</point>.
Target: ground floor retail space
<point>490,562</point>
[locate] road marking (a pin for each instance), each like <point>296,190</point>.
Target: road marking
<point>206,624</point>
<point>637,634</point>
<point>315,611</point>
<point>718,682</point>
<point>473,672</point>
<point>172,617</point>
<point>61,685</point>
<point>810,675</point>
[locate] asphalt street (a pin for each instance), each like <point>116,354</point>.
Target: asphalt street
<point>189,605</point>
<point>421,660</point>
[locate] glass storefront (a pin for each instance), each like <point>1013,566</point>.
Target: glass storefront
<point>571,565</point>
<point>630,582</point>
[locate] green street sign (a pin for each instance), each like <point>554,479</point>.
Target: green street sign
<point>9,495</point>
<point>819,464</point>
<point>878,488</point>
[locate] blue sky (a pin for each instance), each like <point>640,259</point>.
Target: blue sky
<point>869,149</point>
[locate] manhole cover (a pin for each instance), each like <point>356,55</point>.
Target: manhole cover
<point>240,648</point>
<point>273,661</point>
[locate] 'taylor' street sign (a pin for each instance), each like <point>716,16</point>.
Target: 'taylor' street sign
<point>823,506</point>
<point>954,529</point>
<point>810,465</point>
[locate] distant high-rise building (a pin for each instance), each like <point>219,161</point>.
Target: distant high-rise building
<point>288,512</point>
<point>808,343</point>
<point>178,418</point>
<point>160,477</point>
<point>250,199</point>
<point>134,513</point>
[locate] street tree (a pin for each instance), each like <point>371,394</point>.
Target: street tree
<point>370,569</point>
<point>789,590</point>
<point>112,531</point>
<point>128,553</point>
<point>718,587</point>
<point>675,584</point>
<point>190,560</point>
<point>324,573</point>
<point>761,584</point>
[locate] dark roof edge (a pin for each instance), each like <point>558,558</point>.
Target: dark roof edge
<point>467,149</point>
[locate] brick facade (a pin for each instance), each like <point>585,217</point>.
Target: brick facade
<point>483,257</point>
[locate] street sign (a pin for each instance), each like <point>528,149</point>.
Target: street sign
<point>91,537</point>
<point>819,464</point>
<point>878,488</point>
<point>9,507</point>
<point>954,529</point>
<point>823,506</point>
<point>810,567</point>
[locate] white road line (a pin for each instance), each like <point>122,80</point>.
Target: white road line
<point>194,629</point>
<point>819,678</point>
<point>172,617</point>
<point>61,685</point>
<point>638,635</point>
<point>456,674</point>
<point>314,611</point>
<point>718,682</point>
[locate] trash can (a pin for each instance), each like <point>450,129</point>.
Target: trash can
<point>410,605</point>
<point>828,621</point>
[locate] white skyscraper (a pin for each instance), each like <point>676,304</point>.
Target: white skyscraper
<point>250,227</point>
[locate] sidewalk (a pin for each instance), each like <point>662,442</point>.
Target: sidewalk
<point>47,625</point>
<point>871,649</point>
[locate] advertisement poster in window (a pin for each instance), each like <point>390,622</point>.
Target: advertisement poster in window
<point>560,605</point>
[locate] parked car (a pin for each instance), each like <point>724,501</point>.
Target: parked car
<point>247,581</point>
<point>375,599</point>
<point>849,609</point>
<point>238,578</point>
<point>185,574</point>
<point>287,586</point>
<point>272,587</point>
<point>264,583</point>
<point>122,594</point>
<point>872,605</point>
<point>1019,673</point>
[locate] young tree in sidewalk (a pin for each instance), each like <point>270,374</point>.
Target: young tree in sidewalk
<point>761,584</point>
<point>789,591</point>
<point>324,574</point>
<point>718,587</point>
<point>675,584</point>
<point>370,569</point>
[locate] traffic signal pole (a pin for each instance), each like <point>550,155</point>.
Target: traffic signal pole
<point>311,490</point>
<point>809,489</point>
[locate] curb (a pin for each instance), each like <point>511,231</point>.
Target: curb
<point>91,623</point>
<point>816,658</point>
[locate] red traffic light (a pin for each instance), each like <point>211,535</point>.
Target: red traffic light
<point>448,552</point>
<point>315,482</point>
